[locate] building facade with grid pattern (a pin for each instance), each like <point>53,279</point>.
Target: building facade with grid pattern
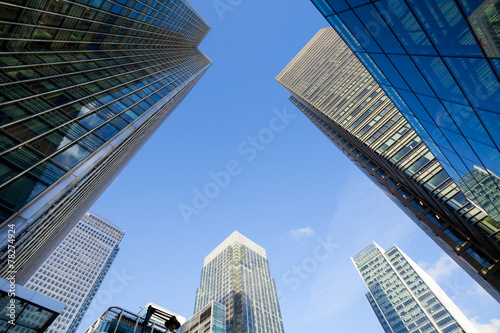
<point>404,297</point>
<point>334,90</point>
<point>236,274</point>
<point>74,271</point>
<point>83,85</point>
<point>439,62</point>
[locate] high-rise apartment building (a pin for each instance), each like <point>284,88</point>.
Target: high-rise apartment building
<point>404,297</point>
<point>73,273</point>
<point>334,90</point>
<point>236,274</point>
<point>83,85</point>
<point>439,63</point>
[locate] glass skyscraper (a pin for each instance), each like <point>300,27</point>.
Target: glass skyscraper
<point>236,274</point>
<point>75,270</point>
<point>404,297</point>
<point>83,85</point>
<point>335,91</point>
<point>439,62</point>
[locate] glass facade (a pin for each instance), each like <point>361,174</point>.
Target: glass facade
<point>83,84</point>
<point>210,319</point>
<point>236,274</point>
<point>439,62</point>
<point>26,311</point>
<point>403,297</point>
<point>74,271</point>
<point>335,91</point>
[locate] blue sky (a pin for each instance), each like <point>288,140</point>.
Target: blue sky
<point>292,194</point>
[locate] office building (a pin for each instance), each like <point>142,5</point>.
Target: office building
<point>24,310</point>
<point>74,271</point>
<point>156,320</point>
<point>236,274</point>
<point>84,84</point>
<point>334,90</point>
<point>438,61</point>
<point>210,319</point>
<point>404,297</point>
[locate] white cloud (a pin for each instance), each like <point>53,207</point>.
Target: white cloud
<point>300,233</point>
<point>440,270</point>
<point>492,327</point>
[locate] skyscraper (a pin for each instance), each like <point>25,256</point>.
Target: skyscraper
<point>333,89</point>
<point>439,63</point>
<point>404,297</point>
<point>74,271</point>
<point>84,84</point>
<point>236,274</point>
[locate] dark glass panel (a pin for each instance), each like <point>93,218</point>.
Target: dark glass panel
<point>436,135</point>
<point>7,172</point>
<point>488,155</point>
<point>359,31</point>
<point>414,104</point>
<point>377,74</point>
<point>460,145</point>
<point>375,24</point>
<point>404,25</point>
<point>468,122</point>
<point>71,156</point>
<point>438,113</point>
<point>51,143</point>
<point>445,26</point>
<point>28,129</point>
<point>107,131</point>
<point>456,163</point>
<point>437,75</point>
<point>477,81</point>
<point>389,71</point>
<point>20,191</point>
<point>491,121</point>
<point>408,70</point>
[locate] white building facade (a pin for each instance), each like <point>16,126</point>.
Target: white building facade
<point>74,271</point>
<point>404,297</point>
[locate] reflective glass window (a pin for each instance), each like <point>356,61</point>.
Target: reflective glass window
<point>359,31</point>
<point>491,121</point>
<point>468,122</point>
<point>323,7</point>
<point>459,240</point>
<point>488,155</point>
<point>455,161</point>
<point>436,135</point>
<point>414,104</point>
<point>374,70</point>
<point>460,145</point>
<point>389,71</point>
<point>404,25</point>
<point>20,191</point>
<point>477,81</point>
<point>438,113</point>
<point>408,70</point>
<point>437,75</point>
<point>71,156</point>
<point>378,29</point>
<point>445,26</point>
<point>338,5</point>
